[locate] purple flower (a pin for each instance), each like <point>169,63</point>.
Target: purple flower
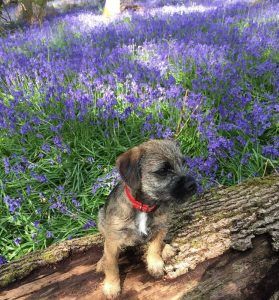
<point>38,211</point>
<point>167,134</point>
<point>46,148</point>
<point>6,165</point>
<point>60,188</point>
<point>39,178</point>
<point>229,175</point>
<point>245,158</point>
<point>96,186</point>
<point>49,234</point>
<point>17,241</point>
<point>89,224</point>
<point>56,128</point>
<point>36,224</point>
<point>90,159</point>
<point>59,206</point>
<point>271,151</point>
<point>76,202</point>
<point>107,181</point>
<point>2,260</point>
<point>12,203</point>
<point>25,128</point>
<point>58,142</point>
<point>28,189</point>
<point>59,159</point>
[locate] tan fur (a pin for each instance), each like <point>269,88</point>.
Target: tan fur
<point>168,252</point>
<point>155,264</point>
<point>110,266</point>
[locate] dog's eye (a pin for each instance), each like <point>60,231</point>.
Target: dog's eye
<point>163,171</point>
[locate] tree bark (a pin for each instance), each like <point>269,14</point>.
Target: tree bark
<point>115,7</point>
<point>31,11</point>
<point>225,243</point>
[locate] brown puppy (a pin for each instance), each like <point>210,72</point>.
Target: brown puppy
<point>137,210</point>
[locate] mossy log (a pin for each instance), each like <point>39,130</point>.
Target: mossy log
<point>225,243</point>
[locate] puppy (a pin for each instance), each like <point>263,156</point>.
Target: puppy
<point>137,210</point>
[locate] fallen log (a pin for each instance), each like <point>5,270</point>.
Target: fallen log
<point>225,243</point>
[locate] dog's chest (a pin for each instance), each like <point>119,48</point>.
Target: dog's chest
<point>141,223</point>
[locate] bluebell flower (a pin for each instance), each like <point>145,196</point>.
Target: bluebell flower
<point>58,142</point>
<point>76,202</point>
<point>46,148</point>
<point>12,203</point>
<point>2,260</point>
<point>89,224</point>
<point>36,224</point>
<point>38,211</point>
<point>17,241</point>
<point>49,234</point>
<point>39,178</point>
<point>6,165</point>
<point>59,159</point>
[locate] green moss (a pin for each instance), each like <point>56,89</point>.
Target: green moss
<point>6,280</point>
<point>15,274</point>
<point>222,215</point>
<point>265,181</point>
<point>196,244</point>
<point>198,215</point>
<point>51,257</point>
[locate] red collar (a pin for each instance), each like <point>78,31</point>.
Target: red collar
<point>138,205</point>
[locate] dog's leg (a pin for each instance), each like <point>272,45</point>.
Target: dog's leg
<point>168,252</point>
<point>111,286</point>
<point>155,264</point>
<point>100,265</point>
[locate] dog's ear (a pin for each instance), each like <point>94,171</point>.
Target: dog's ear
<point>129,167</point>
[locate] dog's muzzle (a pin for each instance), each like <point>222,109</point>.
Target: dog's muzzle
<point>183,187</point>
<point>190,184</point>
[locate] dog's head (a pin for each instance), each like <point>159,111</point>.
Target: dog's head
<point>154,172</point>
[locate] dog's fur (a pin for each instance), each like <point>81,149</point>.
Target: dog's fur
<point>154,173</point>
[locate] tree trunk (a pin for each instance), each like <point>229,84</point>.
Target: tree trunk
<point>115,7</point>
<point>31,11</point>
<point>225,242</point>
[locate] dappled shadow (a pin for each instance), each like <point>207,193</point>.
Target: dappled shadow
<point>233,275</point>
<point>241,275</point>
<point>74,286</point>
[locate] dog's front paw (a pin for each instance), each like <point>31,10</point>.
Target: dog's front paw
<point>155,266</point>
<point>168,252</point>
<point>111,289</point>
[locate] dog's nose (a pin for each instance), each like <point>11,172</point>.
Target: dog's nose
<point>190,184</point>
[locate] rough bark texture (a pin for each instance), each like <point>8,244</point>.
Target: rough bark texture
<point>31,11</point>
<point>226,245</point>
<point>52,255</point>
